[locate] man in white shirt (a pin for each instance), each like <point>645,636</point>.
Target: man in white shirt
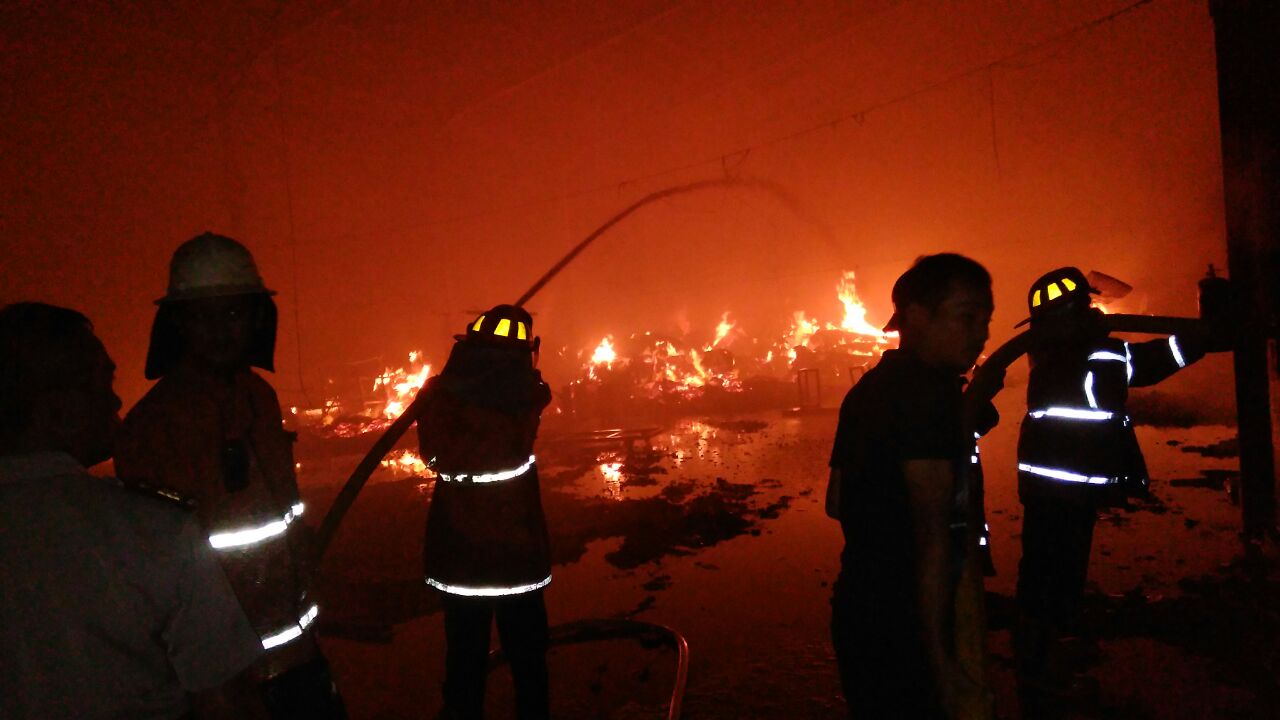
<point>112,602</point>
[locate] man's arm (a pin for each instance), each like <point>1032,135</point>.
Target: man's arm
<point>931,493</point>
<point>210,642</point>
<point>1152,361</point>
<point>833,494</point>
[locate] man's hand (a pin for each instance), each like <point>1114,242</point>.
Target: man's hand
<point>987,382</point>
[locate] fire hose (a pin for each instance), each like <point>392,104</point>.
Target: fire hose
<point>582,630</point>
<point>356,482</point>
<point>1005,355</point>
<point>649,634</point>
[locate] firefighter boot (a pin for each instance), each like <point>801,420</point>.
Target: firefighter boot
<point>1045,683</point>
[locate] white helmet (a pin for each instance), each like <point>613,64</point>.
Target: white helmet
<point>212,265</point>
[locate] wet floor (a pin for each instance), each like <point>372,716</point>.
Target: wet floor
<point>714,527</point>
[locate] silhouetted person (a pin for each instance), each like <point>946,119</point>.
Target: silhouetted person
<point>112,604</point>
<point>211,428</point>
<point>486,536</point>
<point>900,489</point>
<point>1077,451</point>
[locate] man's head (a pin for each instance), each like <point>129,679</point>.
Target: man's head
<point>55,384</point>
<point>942,308</point>
<point>217,313</point>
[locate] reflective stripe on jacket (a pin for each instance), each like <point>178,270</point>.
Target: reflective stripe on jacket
<point>1077,440</point>
<point>486,534</point>
<point>222,444</point>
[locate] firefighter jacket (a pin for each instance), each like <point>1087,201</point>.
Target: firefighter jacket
<point>486,534</point>
<point>1077,442</point>
<point>221,442</point>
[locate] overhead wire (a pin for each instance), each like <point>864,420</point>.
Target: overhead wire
<point>733,158</point>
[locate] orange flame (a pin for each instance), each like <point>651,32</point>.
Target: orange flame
<point>604,353</point>
<point>401,385</point>
<point>723,329</point>
<point>855,313</point>
<point>404,462</point>
<point>802,329</point>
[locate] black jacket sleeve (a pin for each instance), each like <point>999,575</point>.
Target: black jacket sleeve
<point>1154,360</point>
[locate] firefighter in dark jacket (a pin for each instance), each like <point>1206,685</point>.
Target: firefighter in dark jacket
<point>1077,452</point>
<point>210,429</point>
<point>487,549</point>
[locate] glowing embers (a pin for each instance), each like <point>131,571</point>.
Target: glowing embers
<point>487,591</point>
<point>490,477</point>
<point>246,537</point>
<point>404,463</point>
<point>1063,475</point>
<point>1067,413</point>
<point>292,632</point>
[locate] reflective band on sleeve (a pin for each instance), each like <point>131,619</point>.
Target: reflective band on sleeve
<point>1107,355</point>
<point>490,477</point>
<point>973,459</point>
<point>1128,364</point>
<point>1063,475</point>
<point>982,542</point>
<point>1072,414</point>
<point>298,507</point>
<point>254,535</point>
<point>1177,352</point>
<point>1088,390</point>
<point>292,632</point>
<point>482,591</point>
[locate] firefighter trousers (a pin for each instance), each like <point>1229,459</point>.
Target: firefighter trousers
<point>1056,541</point>
<point>306,691</point>
<point>522,631</point>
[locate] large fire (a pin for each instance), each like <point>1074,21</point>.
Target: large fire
<point>654,366</point>
<point>646,366</point>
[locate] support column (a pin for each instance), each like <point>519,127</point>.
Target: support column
<point>1248,35</point>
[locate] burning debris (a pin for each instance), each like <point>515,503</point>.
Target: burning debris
<point>680,370</point>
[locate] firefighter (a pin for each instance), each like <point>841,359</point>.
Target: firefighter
<point>211,429</point>
<point>486,536</point>
<point>1077,452</point>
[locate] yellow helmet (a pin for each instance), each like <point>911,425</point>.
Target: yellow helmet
<point>505,325</point>
<point>1056,291</point>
